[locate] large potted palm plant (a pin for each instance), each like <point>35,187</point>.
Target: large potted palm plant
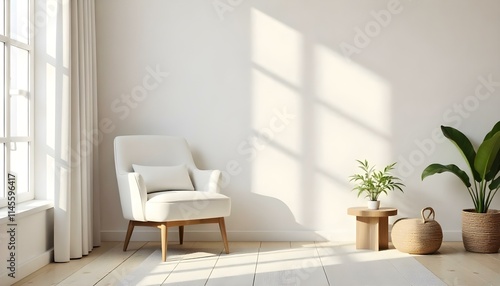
<point>481,225</point>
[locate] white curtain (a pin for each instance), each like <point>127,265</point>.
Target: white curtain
<point>76,211</point>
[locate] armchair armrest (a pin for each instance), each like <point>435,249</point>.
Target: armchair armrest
<point>206,180</point>
<point>133,195</point>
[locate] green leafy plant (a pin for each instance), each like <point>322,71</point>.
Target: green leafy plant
<point>484,165</point>
<point>372,182</point>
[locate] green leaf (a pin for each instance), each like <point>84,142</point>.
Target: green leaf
<point>495,167</point>
<point>464,146</point>
<point>493,131</point>
<point>495,184</point>
<point>372,182</point>
<point>486,155</point>
<point>439,168</point>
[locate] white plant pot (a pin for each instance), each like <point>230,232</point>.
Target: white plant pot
<point>373,205</point>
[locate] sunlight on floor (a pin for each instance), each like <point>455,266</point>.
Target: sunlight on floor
<point>278,263</point>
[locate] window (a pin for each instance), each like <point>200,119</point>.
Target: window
<point>16,93</point>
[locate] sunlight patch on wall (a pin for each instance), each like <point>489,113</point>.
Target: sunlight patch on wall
<point>307,161</point>
<point>352,112</point>
<point>276,174</point>
<point>275,110</point>
<point>276,47</point>
<point>353,91</point>
<point>340,141</point>
<point>334,196</point>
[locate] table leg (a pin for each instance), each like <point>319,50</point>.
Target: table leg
<point>368,233</point>
<point>383,233</point>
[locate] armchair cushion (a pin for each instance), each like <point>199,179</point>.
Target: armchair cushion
<point>180,205</point>
<point>164,178</point>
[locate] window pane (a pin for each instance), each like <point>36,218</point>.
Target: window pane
<point>2,89</point>
<point>19,115</point>
<point>19,69</point>
<point>19,20</point>
<point>19,164</point>
<point>19,96</point>
<point>2,170</point>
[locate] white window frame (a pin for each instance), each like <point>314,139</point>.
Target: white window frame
<point>23,195</point>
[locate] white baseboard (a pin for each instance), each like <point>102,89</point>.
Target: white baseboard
<point>342,236</point>
<point>28,267</point>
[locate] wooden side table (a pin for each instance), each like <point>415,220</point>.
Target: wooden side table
<point>372,227</point>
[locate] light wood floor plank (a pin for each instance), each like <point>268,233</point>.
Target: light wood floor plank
<point>93,272</point>
<point>54,273</point>
<point>269,263</point>
<point>450,268</point>
<point>486,265</point>
<point>121,275</point>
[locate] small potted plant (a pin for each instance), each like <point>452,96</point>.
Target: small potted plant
<point>480,225</point>
<point>372,182</point>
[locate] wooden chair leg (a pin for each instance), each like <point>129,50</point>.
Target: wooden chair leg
<point>164,238</point>
<point>181,234</point>
<point>222,226</point>
<point>128,235</point>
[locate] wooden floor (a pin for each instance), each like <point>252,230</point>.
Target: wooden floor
<point>269,263</point>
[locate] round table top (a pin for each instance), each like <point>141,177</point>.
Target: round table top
<point>365,212</point>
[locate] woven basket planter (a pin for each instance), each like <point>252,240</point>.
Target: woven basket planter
<point>481,231</point>
<point>417,235</point>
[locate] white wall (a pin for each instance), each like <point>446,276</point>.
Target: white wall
<point>292,93</point>
<point>32,242</point>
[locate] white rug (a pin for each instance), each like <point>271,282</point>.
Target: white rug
<point>394,271</point>
<point>332,267</point>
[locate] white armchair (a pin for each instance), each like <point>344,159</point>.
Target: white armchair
<point>160,186</point>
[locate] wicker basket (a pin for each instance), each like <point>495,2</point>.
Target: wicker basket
<point>481,231</point>
<point>417,236</point>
